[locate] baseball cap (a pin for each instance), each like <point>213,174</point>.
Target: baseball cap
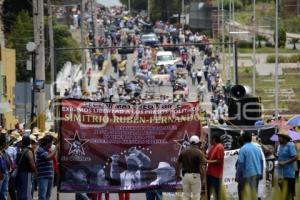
<point>194,139</point>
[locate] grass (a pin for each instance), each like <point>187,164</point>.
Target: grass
<point>267,82</point>
<point>265,14</point>
<point>267,50</point>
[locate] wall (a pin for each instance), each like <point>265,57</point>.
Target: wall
<point>8,76</point>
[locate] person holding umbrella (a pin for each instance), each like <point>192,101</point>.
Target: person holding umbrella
<point>287,156</point>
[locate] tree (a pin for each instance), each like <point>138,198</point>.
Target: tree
<point>281,37</point>
<point>136,4</point>
<point>294,41</point>
<point>10,11</point>
<point>21,34</point>
<point>63,38</point>
<point>260,38</point>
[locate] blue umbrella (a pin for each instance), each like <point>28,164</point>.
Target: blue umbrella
<point>294,121</point>
<point>293,134</point>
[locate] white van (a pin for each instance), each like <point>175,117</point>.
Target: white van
<point>165,58</point>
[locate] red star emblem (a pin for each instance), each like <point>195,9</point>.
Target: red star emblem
<point>76,145</point>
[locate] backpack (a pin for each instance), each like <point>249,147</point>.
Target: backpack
<point>207,61</point>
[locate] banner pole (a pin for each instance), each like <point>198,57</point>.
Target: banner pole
<point>57,130</point>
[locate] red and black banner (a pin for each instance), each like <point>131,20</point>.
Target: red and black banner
<point>122,147</point>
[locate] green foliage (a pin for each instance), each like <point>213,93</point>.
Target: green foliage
<point>237,4</point>
<point>10,11</point>
<point>294,41</point>
<point>21,34</point>
<point>244,44</point>
<point>281,37</point>
<point>284,59</point>
<point>292,24</point>
<point>260,38</point>
<point>136,4</point>
<point>63,39</point>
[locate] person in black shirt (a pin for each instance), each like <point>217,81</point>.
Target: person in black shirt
<point>26,168</point>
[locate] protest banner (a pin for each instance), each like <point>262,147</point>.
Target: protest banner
<point>122,147</point>
<point>229,138</point>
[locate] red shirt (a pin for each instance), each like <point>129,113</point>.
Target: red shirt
<point>216,152</point>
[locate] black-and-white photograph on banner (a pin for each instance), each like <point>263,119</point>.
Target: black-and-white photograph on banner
<point>230,134</point>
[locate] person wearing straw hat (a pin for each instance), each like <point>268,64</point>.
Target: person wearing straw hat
<point>191,162</point>
<point>12,150</point>
<point>287,156</point>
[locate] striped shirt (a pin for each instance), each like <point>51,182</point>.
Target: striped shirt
<point>44,166</point>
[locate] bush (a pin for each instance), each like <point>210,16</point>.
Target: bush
<point>270,59</point>
<point>294,58</point>
<point>237,5</point>
<point>244,44</point>
<point>284,59</point>
<point>281,37</point>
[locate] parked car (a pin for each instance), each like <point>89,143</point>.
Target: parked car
<point>149,39</point>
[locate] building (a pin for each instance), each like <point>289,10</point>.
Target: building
<point>201,16</point>
<point>7,87</point>
<point>291,8</point>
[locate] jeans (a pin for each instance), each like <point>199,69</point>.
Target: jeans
<point>214,187</point>
<point>4,187</point>
<point>45,187</point>
<point>191,185</point>
<point>154,195</point>
<point>24,185</point>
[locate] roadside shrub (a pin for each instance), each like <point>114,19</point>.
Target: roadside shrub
<point>294,58</point>
<point>284,59</point>
<point>281,37</point>
<point>244,44</point>
<point>270,59</point>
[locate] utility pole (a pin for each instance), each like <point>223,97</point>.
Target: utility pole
<point>182,12</point>
<point>149,8</point>
<point>276,63</point>
<point>218,18</point>
<point>229,46</point>
<point>223,39</point>
<point>254,49</point>
<point>39,40</point>
<point>93,22</point>
<point>82,37</point>
<point>51,43</point>
<point>129,6</point>
<point>233,38</point>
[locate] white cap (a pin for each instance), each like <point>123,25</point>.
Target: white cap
<point>194,139</point>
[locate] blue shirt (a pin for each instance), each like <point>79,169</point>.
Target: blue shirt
<point>44,165</point>
<point>286,152</point>
<point>250,161</point>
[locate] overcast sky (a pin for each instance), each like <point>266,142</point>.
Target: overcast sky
<point>109,2</point>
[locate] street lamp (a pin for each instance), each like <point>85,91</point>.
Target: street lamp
<point>31,47</point>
